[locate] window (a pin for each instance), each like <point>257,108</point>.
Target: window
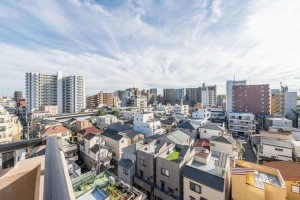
<point>212,144</point>
<point>165,172</point>
<point>162,183</point>
<point>170,190</point>
<point>296,189</point>
<point>192,198</point>
<point>202,198</point>
<point>143,162</point>
<point>195,187</point>
<point>277,149</point>
<point>125,171</point>
<point>204,131</point>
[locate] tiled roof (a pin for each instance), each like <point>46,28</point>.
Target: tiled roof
<point>205,143</point>
<point>55,130</point>
<point>290,171</point>
<point>119,127</point>
<point>89,136</point>
<point>210,180</point>
<point>212,127</point>
<point>223,139</point>
<point>87,130</point>
<point>112,134</point>
<point>125,163</point>
<point>188,125</point>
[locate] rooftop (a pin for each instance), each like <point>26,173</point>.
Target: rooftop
<point>119,127</point>
<point>173,156</point>
<point>113,134</point>
<point>55,130</point>
<point>205,143</point>
<point>188,125</point>
<point>213,127</point>
<point>222,139</point>
<point>289,170</point>
<point>276,143</point>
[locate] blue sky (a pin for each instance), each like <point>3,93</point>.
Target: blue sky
<point>119,44</point>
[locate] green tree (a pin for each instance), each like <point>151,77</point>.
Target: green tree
<point>101,112</point>
<point>115,113</point>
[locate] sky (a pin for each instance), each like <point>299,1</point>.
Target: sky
<point>118,44</point>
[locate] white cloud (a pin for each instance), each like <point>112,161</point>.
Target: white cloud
<point>148,43</point>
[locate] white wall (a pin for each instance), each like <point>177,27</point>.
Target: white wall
<point>269,151</point>
<point>209,133</point>
<point>223,147</point>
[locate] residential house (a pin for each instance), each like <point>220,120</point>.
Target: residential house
<point>181,109</point>
<point>228,145</point>
<point>180,138</point>
<point>56,130</point>
<point>207,177</point>
<point>202,145</point>
<point>210,130</point>
<point>169,171</point>
<point>147,124</point>
<point>94,152</point>
<point>251,181</point>
<point>83,132</point>
<point>127,164</point>
<point>102,121</point>
<point>201,116</point>
<point>81,124</point>
<point>291,175</point>
<point>168,125</point>
<point>189,128</point>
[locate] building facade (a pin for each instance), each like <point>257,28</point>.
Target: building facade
<point>229,87</point>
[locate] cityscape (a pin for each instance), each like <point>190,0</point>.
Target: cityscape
<point>177,127</point>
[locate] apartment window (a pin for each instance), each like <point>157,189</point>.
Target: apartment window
<point>171,190</point>
<point>162,183</point>
<point>195,187</point>
<point>202,198</point>
<point>278,149</point>
<point>125,171</point>
<point>165,172</point>
<point>204,131</point>
<point>295,189</point>
<point>192,198</point>
<point>212,144</point>
<point>143,162</point>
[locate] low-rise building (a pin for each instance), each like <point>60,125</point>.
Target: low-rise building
<point>180,138</point>
<point>189,128</point>
<point>207,177</point>
<point>81,124</point>
<point>94,152</point>
<point>83,132</point>
<point>256,182</point>
<point>147,124</point>
<point>127,164</point>
<point>210,130</point>
<point>51,109</point>
<point>181,109</point>
<point>242,123</point>
<point>277,121</point>
<point>291,175</point>
<point>168,125</point>
<point>56,130</point>
<point>228,145</point>
<point>105,120</point>
<point>272,149</point>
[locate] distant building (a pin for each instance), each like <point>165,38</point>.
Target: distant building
<point>209,96</point>
<point>153,91</point>
<point>52,110</point>
<point>138,102</point>
<point>68,93</point>
<point>277,121</point>
<point>181,109</point>
<point>169,96</point>
<point>251,98</point>
<point>18,95</point>
<point>229,93</point>
<point>102,99</point>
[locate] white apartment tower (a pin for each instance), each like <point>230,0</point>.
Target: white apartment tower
<point>68,93</point>
<point>229,86</point>
<point>209,96</point>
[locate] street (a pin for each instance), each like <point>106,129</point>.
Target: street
<point>248,154</point>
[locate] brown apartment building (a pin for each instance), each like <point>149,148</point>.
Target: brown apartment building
<point>251,98</point>
<point>101,99</point>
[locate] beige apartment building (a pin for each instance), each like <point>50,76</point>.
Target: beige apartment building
<point>102,99</point>
<point>52,110</point>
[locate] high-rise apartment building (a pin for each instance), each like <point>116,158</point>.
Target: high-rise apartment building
<point>192,95</point>
<point>153,91</point>
<point>209,95</point>
<point>251,98</point>
<point>100,99</point>
<point>169,95</point>
<point>68,93</point>
<point>229,86</point>
<point>179,95</point>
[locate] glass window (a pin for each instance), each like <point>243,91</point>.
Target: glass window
<point>195,187</point>
<point>143,162</point>
<point>296,189</point>
<point>125,171</point>
<point>277,149</point>
<point>165,172</point>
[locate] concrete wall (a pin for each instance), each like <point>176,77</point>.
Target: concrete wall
<point>209,133</point>
<point>269,151</point>
<point>192,133</point>
<point>149,169</point>
<point>126,178</point>
<point>206,192</point>
<point>223,147</point>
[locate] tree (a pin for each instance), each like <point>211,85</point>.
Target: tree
<point>101,112</point>
<point>115,113</point>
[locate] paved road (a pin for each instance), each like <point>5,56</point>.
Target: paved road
<point>249,154</point>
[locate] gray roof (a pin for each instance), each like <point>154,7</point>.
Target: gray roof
<point>131,133</point>
<point>223,139</point>
<point>132,148</point>
<point>183,151</point>
<point>178,137</point>
<point>89,136</point>
<point>119,127</point>
<point>276,143</point>
<point>210,180</point>
<point>188,125</point>
<point>125,163</point>
<point>112,134</point>
<point>95,148</point>
<point>213,127</point>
